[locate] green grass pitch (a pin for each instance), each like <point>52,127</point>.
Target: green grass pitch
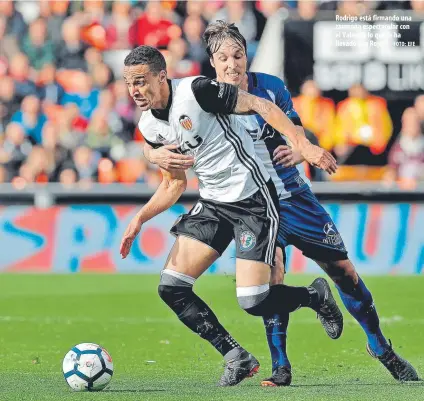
<point>157,358</point>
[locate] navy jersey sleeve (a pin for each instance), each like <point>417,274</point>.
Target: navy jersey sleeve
<point>214,97</point>
<point>284,101</point>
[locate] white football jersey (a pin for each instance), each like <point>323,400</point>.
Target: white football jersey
<point>226,163</point>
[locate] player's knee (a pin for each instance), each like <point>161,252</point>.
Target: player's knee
<point>173,286</point>
<point>254,299</point>
<point>166,293</point>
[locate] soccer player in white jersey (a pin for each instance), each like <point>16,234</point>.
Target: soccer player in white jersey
<point>304,222</point>
<point>238,200</point>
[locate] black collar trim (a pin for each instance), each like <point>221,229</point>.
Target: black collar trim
<point>163,114</point>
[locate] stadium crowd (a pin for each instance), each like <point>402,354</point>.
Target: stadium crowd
<point>65,114</point>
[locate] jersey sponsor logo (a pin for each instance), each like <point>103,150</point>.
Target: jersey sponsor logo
<point>267,132</point>
<point>185,122</point>
<point>332,237</point>
<point>247,240</point>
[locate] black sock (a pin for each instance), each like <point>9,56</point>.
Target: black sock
<point>197,316</point>
<point>288,299</point>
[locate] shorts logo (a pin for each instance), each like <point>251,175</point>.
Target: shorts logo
<point>247,240</point>
<point>332,236</point>
<point>185,122</point>
<point>197,209</point>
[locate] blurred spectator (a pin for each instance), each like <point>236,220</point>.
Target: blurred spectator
<point>84,96</point>
<point>406,157</point>
<point>85,164</point>
<point>152,28</point>
<point>37,166</point>
<point>178,65</point>
<point>124,107</point>
<point>118,26</point>
<point>8,43</point>
<point>419,108</point>
<point>102,76</point>
<point>417,6</point>
<point>20,72</point>
<point>36,46</point>
<point>70,51</point>
<point>93,57</point>
<point>362,119</point>
<point>57,11</point>
<point>31,118</point>
<point>9,102</point>
<point>269,7</point>
<point>50,90</point>
<point>354,7</point>
<point>307,10</point>
<point>193,29</point>
<point>58,156</point>
<point>107,106</point>
<point>194,8</point>
<point>68,177</point>
<point>71,129</point>
<point>15,22</point>
<point>316,112</point>
<point>239,12</point>
<point>14,150</point>
<point>95,9</point>
<point>100,136</point>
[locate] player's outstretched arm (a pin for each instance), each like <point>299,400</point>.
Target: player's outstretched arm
<point>169,191</point>
<point>273,115</point>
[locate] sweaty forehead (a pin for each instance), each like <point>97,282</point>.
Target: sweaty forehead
<point>132,71</point>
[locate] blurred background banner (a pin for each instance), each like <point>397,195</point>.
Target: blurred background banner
<point>381,238</point>
<point>69,137</point>
<point>338,55</point>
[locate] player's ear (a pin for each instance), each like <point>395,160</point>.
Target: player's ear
<point>211,61</point>
<point>162,76</point>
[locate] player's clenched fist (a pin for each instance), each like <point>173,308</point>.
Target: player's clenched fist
<point>129,236</point>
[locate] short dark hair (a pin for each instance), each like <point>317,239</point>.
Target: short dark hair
<point>217,32</point>
<point>146,55</point>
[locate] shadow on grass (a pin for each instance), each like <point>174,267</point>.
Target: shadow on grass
<point>147,390</point>
<point>359,384</point>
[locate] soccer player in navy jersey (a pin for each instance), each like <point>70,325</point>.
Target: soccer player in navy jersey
<point>304,223</point>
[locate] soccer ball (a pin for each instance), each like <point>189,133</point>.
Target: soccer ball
<point>87,367</point>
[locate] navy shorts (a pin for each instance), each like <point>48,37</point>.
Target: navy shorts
<point>305,224</point>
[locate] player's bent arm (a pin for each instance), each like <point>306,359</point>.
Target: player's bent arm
<point>173,184</point>
<point>271,113</point>
<point>274,116</point>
